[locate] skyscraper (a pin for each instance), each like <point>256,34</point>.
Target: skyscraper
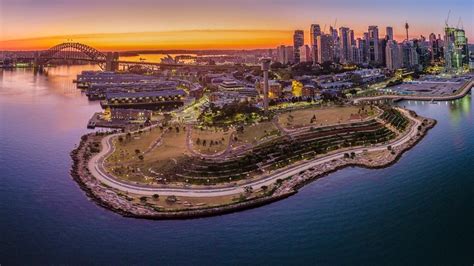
<point>298,41</point>
<point>314,32</point>
<point>345,44</point>
<point>389,33</point>
<point>325,48</point>
<point>456,51</point>
<point>305,54</point>
<point>409,55</point>
<point>373,48</point>
<point>289,54</point>
<point>281,57</point>
<point>393,55</point>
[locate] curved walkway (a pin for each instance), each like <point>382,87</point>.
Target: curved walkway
<point>97,169</point>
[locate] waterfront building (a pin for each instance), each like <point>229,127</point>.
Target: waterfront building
<point>456,51</point>
<point>298,41</point>
<point>130,114</point>
<point>150,100</point>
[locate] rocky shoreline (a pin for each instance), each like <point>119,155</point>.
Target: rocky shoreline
<point>119,203</point>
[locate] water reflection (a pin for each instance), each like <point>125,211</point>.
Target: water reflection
<point>26,83</point>
<point>49,98</point>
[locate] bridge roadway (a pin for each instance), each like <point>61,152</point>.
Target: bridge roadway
<point>96,167</point>
<point>130,63</point>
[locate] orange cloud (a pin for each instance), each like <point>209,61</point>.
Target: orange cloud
<point>192,39</point>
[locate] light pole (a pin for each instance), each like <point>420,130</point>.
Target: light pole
<point>265,68</point>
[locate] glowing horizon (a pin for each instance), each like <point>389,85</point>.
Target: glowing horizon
<point>211,24</point>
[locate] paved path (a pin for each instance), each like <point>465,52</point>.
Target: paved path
<point>97,169</point>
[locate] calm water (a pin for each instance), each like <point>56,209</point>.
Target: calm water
<point>419,211</point>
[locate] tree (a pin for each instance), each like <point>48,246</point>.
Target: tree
<point>248,189</point>
<point>356,79</point>
<point>155,196</point>
<point>141,157</point>
<point>171,199</point>
<point>137,151</point>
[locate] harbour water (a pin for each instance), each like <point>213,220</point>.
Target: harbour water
<point>418,211</point>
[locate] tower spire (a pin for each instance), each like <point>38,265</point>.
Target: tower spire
<point>406,28</point>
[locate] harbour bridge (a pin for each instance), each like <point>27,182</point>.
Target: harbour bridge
<point>109,61</point>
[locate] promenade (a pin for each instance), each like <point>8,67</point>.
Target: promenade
<point>97,169</point>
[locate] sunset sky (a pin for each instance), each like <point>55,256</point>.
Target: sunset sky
<point>211,24</point>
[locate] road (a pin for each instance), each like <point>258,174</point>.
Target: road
<point>96,167</point>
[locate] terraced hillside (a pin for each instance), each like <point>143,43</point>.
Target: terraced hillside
<point>281,152</point>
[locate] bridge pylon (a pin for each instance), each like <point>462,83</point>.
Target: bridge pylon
<point>111,61</point>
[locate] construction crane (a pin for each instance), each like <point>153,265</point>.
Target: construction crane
<point>447,18</point>
<point>460,23</point>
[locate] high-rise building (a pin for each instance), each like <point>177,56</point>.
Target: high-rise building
<point>305,54</point>
<point>456,51</point>
<point>373,47</point>
<point>389,33</point>
<point>393,55</point>
<point>298,41</point>
<point>281,57</point>
<point>433,43</point>
<point>345,44</point>
<point>314,32</point>
<point>325,48</point>
<point>357,55</point>
<point>289,54</point>
<point>409,55</point>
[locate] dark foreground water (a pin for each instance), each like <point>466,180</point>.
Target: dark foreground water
<point>419,211</point>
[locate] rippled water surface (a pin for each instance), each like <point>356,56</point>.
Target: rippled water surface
<point>418,211</point>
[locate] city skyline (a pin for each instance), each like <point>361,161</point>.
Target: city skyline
<point>208,25</point>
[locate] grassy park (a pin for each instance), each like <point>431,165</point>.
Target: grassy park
<point>162,152</point>
<point>257,132</point>
<point>163,155</point>
<point>324,116</point>
<point>210,140</point>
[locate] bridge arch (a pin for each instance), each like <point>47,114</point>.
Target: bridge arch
<point>73,51</point>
